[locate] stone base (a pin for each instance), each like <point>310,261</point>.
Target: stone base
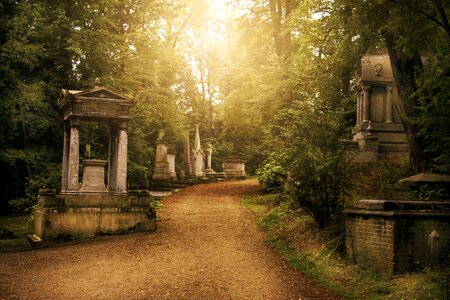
<point>82,216</point>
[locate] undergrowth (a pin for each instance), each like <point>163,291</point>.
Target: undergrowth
<point>319,254</point>
<point>20,227</point>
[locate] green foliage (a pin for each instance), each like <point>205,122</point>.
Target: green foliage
<point>272,176</point>
<point>434,92</point>
<point>154,203</point>
<point>22,205</point>
<point>377,180</point>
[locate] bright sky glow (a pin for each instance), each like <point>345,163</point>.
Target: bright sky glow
<point>212,37</point>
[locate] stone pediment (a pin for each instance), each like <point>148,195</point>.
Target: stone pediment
<point>99,103</point>
<point>102,93</point>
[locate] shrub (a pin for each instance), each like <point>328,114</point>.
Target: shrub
<point>272,176</point>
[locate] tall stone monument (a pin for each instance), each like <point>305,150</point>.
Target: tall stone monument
<point>161,170</point>
<point>198,156</point>
<point>95,208</point>
<point>209,152</point>
<point>171,157</point>
<point>187,166</point>
<point>379,132</point>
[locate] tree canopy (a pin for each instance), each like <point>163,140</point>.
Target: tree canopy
<point>266,80</point>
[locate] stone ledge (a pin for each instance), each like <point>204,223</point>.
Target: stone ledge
<point>393,214</point>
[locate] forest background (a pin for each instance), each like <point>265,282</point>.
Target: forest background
<point>270,81</point>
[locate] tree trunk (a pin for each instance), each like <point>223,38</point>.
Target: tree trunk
<point>275,15</point>
<point>403,68</point>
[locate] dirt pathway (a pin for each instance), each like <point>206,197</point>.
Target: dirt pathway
<point>207,247</point>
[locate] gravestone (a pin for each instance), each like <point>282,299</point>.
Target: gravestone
<point>171,156</point>
<point>161,171</point>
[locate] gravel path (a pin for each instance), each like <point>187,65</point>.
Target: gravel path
<point>207,246</point>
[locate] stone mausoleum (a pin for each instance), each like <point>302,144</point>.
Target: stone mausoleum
<point>101,205</point>
<point>379,133</point>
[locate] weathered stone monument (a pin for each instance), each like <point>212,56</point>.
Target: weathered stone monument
<point>171,156</point>
<point>198,156</point>
<point>379,133</point>
<point>187,166</point>
<point>95,208</point>
<point>234,168</point>
<point>209,151</point>
<point>161,173</point>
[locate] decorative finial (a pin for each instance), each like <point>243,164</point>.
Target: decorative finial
<point>97,82</point>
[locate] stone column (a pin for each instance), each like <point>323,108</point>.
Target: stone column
<point>65,160</point>
<point>112,157</point>
<point>388,118</point>
<point>122,157</point>
<point>209,152</point>
<point>358,109</point>
<point>366,104</point>
<point>74,156</point>
<point>187,166</point>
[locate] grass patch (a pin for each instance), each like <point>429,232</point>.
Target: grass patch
<point>21,226</point>
<point>319,255</point>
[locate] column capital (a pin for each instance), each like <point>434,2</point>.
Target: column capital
<point>74,122</point>
<point>122,125</point>
<point>365,88</point>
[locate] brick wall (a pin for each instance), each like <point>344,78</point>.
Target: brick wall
<point>392,243</point>
<point>370,241</point>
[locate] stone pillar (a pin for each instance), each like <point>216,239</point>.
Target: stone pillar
<point>209,152</point>
<point>358,109</point>
<point>366,104</point>
<point>187,166</point>
<point>122,157</point>
<point>65,160</point>
<point>74,156</point>
<point>389,111</point>
<point>112,157</point>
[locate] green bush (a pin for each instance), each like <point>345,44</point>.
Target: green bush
<point>272,176</point>
<point>319,183</point>
<point>22,205</point>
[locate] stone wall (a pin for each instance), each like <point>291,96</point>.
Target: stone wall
<point>393,241</point>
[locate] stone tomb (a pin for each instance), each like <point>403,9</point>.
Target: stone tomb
<point>95,208</point>
<point>394,235</point>
<point>379,133</point>
<point>234,168</point>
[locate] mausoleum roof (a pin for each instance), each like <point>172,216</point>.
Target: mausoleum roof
<point>98,104</point>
